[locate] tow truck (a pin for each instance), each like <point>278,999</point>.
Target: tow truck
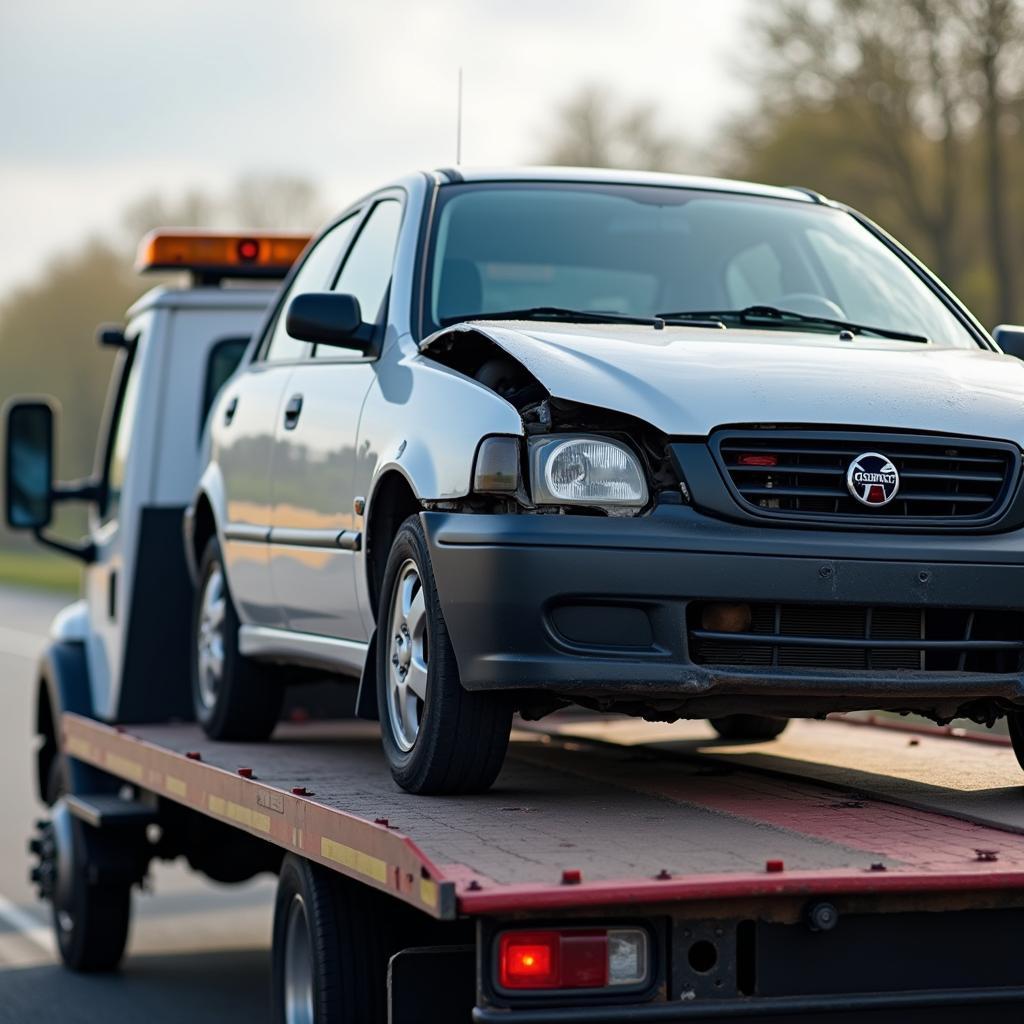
<point>618,871</point>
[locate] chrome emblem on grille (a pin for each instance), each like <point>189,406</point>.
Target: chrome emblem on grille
<point>872,479</point>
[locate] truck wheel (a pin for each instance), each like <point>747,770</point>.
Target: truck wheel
<point>330,961</point>
<point>233,698</point>
<point>438,737</point>
<point>90,915</point>
<point>748,727</point>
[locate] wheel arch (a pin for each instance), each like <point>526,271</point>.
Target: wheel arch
<point>392,500</point>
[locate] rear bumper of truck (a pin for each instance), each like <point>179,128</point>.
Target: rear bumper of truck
<point>945,1005</point>
<point>598,608</point>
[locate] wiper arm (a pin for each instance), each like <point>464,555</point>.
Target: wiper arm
<point>593,316</point>
<point>773,313</point>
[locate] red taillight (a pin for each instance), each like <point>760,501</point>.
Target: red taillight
<point>750,459</point>
<point>530,960</point>
<point>575,958</point>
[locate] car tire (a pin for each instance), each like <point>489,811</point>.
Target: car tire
<point>1015,726</point>
<point>437,736</point>
<point>748,727</point>
<point>329,953</point>
<point>233,697</point>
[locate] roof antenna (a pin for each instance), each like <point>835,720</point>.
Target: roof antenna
<point>458,125</point>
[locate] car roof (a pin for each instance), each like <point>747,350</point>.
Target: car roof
<point>626,177</point>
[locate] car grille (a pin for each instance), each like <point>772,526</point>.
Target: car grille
<point>856,637</point>
<point>802,475</point>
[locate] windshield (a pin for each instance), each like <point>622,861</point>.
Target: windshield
<point>641,250</point>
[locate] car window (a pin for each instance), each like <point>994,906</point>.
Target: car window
<point>313,276</point>
<point>367,270</point>
<point>642,250</point>
<point>753,275</point>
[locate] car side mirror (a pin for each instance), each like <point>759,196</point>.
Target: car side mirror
<point>29,494</point>
<point>1010,339</point>
<point>329,318</point>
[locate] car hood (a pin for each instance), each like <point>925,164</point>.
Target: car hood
<point>687,381</point>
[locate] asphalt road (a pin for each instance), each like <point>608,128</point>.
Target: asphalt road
<point>198,952</point>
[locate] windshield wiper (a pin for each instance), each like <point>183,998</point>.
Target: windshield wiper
<point>776,315</point>
<point>592,316</point>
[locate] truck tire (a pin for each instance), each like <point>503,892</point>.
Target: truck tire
<point>329,952</point>
<point>437,736</point>
<point>233,697</point>
<point>748,727</point>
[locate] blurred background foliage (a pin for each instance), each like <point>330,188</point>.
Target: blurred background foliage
<point>909,110</point>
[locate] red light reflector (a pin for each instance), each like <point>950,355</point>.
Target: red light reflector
<point>529,960</point>
<point>750,459</point>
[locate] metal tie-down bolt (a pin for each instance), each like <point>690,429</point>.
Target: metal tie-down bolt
<point>774,866</point>
<point>986,855</point>
<point>878,866</point>
<point>300,791</point>
<point>194,755</point>
<point>663,875</point>
<point>474,886</point>
<point>822,917</point>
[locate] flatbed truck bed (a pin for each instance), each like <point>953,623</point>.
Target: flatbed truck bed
<point>777,880</point>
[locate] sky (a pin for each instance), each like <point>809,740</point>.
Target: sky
<point>106,101</point>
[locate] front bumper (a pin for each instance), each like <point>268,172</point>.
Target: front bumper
<point>506,581</point>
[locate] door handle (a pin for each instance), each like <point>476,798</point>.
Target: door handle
<point>229,411</point>
<point>292,411</point>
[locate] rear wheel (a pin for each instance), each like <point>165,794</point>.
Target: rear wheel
<point>748,727</point>
<point>437,736</point>
<point>233,698</point>
<point>329,953</point>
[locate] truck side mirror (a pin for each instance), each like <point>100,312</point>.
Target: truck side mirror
<point>29,465</point>
<point>1010,339</point>
<point>329,318</point>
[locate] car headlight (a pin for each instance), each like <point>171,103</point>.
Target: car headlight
<point>574,470</point>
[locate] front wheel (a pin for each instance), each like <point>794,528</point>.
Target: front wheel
<point>437,736</point>
<point>91,915</point>
<point>233,697</point>
<point>751,728</point>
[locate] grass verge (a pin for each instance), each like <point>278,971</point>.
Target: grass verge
<point>41,570</point>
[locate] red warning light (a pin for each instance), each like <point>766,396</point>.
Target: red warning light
<point>749,459</point>
<point>248,250</point>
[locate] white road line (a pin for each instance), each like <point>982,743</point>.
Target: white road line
<point>21,643</point>
<point>28,927</point>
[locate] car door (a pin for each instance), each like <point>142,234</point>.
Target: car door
<point>250,412</point>
<point>314,536</point>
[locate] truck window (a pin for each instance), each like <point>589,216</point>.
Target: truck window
<point>223,360</point>
<point>122,425</point>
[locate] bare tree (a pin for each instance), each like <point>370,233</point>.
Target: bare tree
<point>592,130</point>
<point>994,30</point>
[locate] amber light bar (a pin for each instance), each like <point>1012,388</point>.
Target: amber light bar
<point>212,255</point>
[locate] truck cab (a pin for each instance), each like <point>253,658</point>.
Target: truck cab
<point>119,653</point>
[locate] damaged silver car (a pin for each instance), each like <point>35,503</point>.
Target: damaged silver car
<point>676,447</point>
